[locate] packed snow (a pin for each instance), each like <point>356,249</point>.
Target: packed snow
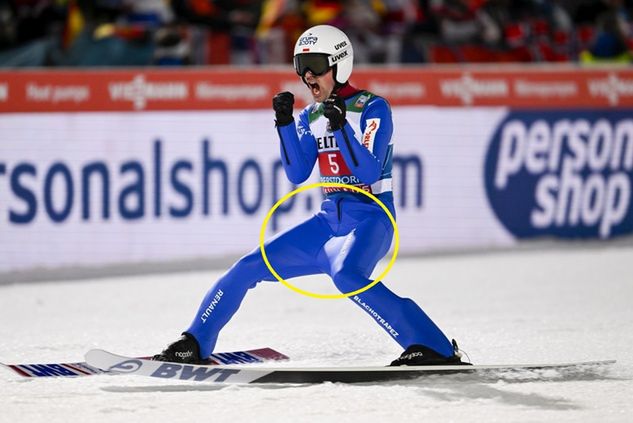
<point>532,306</point>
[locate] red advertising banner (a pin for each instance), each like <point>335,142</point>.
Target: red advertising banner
<point>253,88</point>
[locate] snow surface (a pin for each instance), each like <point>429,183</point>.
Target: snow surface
<point>515,307</point>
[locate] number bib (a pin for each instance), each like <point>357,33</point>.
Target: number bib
<point>332,166</point>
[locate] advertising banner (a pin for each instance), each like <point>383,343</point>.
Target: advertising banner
<point>139,167</point>
<point>235,88</point>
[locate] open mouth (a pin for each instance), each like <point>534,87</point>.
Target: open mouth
<point>314,87</point>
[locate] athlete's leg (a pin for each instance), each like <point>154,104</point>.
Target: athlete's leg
<point>292,253</point>
<point>353,258</point>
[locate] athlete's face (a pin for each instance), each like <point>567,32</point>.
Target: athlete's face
<point>320,86</point>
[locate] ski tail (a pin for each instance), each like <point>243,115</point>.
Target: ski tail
<point>38,370</point>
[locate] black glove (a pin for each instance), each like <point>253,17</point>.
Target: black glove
<point>282,104</point>
<point>334,109</point>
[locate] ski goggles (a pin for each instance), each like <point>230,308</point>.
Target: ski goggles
<point>317,63</point>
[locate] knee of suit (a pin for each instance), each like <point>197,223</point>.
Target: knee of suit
<point>409,304</point>
<point>346,281</point>
<point>249,270</point>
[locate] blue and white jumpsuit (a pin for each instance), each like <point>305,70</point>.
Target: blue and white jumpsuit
<point>345,239</point>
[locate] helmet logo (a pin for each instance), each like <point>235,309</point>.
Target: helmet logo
<point>340,45</point>
<point>308,40</point>
<point>338,57</point>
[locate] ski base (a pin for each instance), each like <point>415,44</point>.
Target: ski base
<point>282,375</point>
<point>259,355</point>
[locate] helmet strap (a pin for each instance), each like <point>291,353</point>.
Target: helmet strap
<point>338,86</point>
<point>334,72</point>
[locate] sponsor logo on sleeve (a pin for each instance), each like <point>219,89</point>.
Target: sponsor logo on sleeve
<point>361,101</point>
<point>370,133</point>
<point>562,174</point>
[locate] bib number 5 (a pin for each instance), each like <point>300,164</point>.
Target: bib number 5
<point>334,167</point>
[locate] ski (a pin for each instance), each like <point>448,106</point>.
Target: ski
<point>259,355</point>
<point>223,374</point>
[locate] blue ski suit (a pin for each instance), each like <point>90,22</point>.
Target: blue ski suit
<point>345,239</point>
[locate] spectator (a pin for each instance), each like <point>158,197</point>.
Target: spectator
<point>466,31</point>
<point>220,28</point>
<point>29,31</point>
<point>148,13</point>
<point>280,24</point>
<point>363,25</point>
<point>102,42</point>
<point>421,32</point>
<point>465,21</point>
<point>8,27</point>
<point>378,28</point>
<point>533,30</point>
<point>612,40</point>
<point>201,32</point>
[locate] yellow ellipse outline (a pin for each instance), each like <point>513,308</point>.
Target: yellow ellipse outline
<point>262,234</point>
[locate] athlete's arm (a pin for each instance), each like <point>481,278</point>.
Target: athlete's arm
<point>366,157</point>
<point>298,149</point>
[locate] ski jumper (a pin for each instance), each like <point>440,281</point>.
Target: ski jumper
<point>345,239</point>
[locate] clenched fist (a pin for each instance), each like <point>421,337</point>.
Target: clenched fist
<point>282,104</point>
<point>334,109</point>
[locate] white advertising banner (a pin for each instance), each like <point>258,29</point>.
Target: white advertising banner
<point>91,189</point>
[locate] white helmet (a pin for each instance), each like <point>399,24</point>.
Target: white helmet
<point>322,47</point>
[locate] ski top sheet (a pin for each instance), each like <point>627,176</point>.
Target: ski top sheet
<point>259,355</point>
<point>223,374</point>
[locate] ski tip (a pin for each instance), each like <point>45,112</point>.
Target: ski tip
<point>93,352</point>
<point>102,359</point>
<point>98,358</point>
<point>15,369</point>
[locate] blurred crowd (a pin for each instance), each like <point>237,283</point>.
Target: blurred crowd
<point>249,32</point>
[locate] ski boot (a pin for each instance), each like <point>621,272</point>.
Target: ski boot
<point>419,355</point>
<point>184,350</point>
